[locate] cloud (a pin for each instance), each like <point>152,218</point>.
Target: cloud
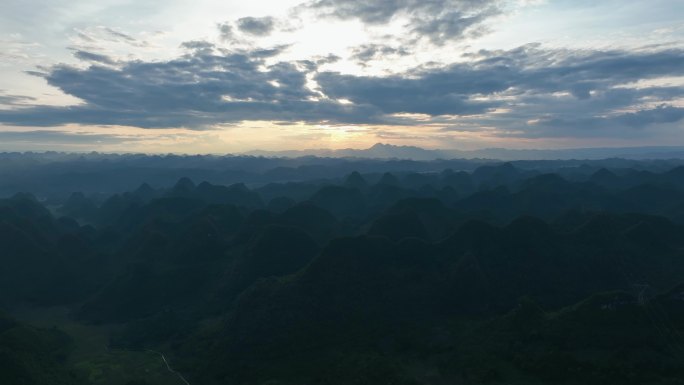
<point>98,34</point>
<point>622,125</point>
<point>432,94</point>
<point>661,114</point>
<point>256,26</point>
<point>528,91</point>
<point>12,100</point>
<point>204,87</point>
<point>454,25</point>
<point>226,32</point>
<point>520,72</point>
<point>198,45</point>
<point>38,137</point>
<point>93,57</point>
<point>368,52</point>
<point>328,59</point>
<point>119,35</point>
<point>439,21</point>
<point>382,11</point>
<point>14,49</point>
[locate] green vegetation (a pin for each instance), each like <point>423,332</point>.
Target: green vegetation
<point>502,276</point>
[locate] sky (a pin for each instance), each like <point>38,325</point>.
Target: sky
<point>207,76</point>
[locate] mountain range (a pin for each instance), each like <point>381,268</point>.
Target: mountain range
<point>388,151</point>
<point>503,274</point>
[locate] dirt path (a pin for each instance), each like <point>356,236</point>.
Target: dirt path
<point>169,368</point>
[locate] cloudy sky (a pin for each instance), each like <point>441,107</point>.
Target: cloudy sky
<point>223,76</point>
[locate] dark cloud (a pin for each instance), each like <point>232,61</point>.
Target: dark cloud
<point>454,25</point>
<point>473,87</point>
<point>528,91</point>
<point>661,114</point>
<point>622,125</point>
<point>330,58</point>
<point>257,26</point>
<point>204,87</point>
<point>226,32</point>
<point>433,94</point>
<point>198,45</point>
<point>263,53</point>
<point>368,52</point>
<point>581,72</point>
<point>383,11</point>
<point>437,20</point>
<point>603,115</point>
<point>93,57</point>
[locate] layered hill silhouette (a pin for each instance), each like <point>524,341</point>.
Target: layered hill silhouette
<point>509,273</point>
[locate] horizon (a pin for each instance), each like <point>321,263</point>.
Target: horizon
<point>385,151</point>
<point>225,77</point>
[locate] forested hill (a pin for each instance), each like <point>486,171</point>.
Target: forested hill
<point>500,273</point>
<point>53,176</point>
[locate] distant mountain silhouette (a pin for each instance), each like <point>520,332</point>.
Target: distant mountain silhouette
<point>388,151</point>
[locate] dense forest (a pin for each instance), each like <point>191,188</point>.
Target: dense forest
<point>260,271</point>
